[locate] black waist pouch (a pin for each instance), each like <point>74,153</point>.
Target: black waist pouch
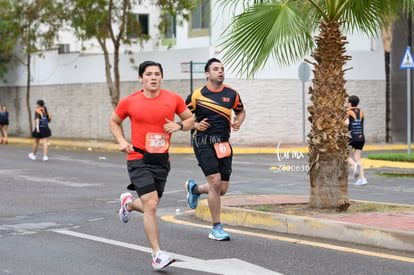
<point>153,158</point>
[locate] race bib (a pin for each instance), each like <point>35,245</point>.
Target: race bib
<point>157,142</point>
<point>223,149</point>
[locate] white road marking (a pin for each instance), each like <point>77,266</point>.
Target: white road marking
<point>171,218</point>
<point>26,228</point>
<point>222,266</point>
<point>18,175</point>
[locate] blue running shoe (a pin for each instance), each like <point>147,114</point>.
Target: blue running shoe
<point>218,233</point>
<point>192,199</point>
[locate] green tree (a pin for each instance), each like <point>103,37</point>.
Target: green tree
<point>9,39</point>
<point>112,24</point>
<point>283,30</point>
<point>35,25</point>
<point>6,48</point>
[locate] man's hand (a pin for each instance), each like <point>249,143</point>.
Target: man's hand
<point>238,120</point>
<point>126,147</point>
<point>202,125</point>
<point>171,126</point>
<point>236,125</point>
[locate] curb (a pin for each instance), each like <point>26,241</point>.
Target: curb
<point>111,145</point>
<point>402,240</point>
<point>70,144</point>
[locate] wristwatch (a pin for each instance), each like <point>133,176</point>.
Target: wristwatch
<point>180,124</point>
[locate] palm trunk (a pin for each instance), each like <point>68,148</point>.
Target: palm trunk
<point>329,137</point>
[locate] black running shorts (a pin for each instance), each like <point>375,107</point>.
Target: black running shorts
<point>210,164</point>
<point>357,145</point>
<point>146,178</point>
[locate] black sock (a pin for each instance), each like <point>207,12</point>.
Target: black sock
<point>216,223</point>
<point>194,190</point>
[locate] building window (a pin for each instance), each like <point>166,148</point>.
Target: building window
<point>170,26</point>
<point>200,20</point>
<point>138,25</point>
<point>168,30</point>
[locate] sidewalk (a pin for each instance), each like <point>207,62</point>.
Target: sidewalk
<point>392,230</point>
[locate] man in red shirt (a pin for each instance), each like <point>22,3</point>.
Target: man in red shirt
<point>151,112</point>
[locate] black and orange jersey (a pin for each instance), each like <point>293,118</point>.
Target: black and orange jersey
<point>217,106</point>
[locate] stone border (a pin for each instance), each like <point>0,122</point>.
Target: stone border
<point>402,240</point>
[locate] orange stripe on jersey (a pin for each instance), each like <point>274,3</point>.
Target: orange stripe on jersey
<point>207,103</point>
<point>192,104</point>
<point>227,113</point>
<point>217,106</point>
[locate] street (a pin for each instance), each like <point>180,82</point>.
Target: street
<point>61,217</point>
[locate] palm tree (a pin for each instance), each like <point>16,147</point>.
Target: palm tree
<point>283,29</point>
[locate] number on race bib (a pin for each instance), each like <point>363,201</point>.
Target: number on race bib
<point>157,142</point>
<point>223,149</point>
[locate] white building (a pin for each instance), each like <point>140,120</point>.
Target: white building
<point>72,82</point>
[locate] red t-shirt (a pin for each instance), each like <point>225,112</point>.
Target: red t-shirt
<point>147,116</point>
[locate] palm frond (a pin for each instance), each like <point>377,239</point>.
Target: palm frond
<point>368,15</point>
<point>278,30</point>
<point>234,4</point>
<point>407,6</point>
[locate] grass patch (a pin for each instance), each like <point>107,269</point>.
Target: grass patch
<point>392,175</point>
<point>376,207</point>
<point>393,157</point>
<point>264,208</point>
<point>302,209</point>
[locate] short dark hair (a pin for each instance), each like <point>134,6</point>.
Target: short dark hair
<point>40,102</point>
<point>146,64</point>
<point>209,62</point>
<point>354,100</point>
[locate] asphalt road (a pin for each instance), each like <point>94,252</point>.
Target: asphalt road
<point>60,217</point>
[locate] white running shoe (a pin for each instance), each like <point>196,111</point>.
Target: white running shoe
<point>356,170</point>
<point>161,260</point>
<point>45,158</point>
<point>361,182</point>
<point>124,214</point>
<point>32,156</point>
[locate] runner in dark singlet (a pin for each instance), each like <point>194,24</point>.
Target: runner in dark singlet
<point>213,106</point>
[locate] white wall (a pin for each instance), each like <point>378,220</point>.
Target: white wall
<point>69,68</point>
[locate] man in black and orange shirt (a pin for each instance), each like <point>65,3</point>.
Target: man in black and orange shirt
<point>213,106</point>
